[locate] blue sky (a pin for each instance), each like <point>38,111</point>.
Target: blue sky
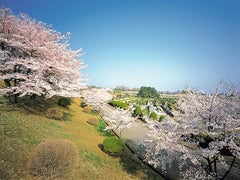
<point>160,43</point>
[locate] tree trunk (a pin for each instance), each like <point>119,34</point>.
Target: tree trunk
<point>7,82</point>
<point>215,166</point>
<point>209,164</point>
<point>33,97</point>
<point>13,98</point>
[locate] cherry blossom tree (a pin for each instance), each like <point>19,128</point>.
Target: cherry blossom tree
<point>203,139</point>
<point>37,60</point>
<point>118,120</point>
<point>97,97</point>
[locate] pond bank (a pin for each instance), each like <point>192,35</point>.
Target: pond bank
<point>137,133</point>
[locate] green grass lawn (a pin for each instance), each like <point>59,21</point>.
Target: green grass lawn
<point>24,126</point>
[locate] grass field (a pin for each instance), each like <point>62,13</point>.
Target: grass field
<point>24,126</point>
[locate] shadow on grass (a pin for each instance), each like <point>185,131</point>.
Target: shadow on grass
<point>39,105</point>
<point>135,166</point>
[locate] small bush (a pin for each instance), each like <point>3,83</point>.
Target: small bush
<point>55,113</point>
<point>161,118</point>
<point>153,116</point>
<point>101,126</point>
<point>53,158</point>
<point>113,145</point>
<point>66,116</point>
<point>203,135</point>
<point>87,110</point>
<point>83,104</point>
<point>65,102</point>
<point>92,121</point>
<point>2,84</point>
<point>146,111</point>
<point>90,110</point>
<point>182,111</point>
<point>137,111</point>
<point>94,112</point>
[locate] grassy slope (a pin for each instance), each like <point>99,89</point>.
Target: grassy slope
<point>21,131</point>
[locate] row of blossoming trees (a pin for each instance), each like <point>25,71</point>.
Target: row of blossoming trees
<point>211,123</point>
<point>36,60</point>
<point>205,141</point>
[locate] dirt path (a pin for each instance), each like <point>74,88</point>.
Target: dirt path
<point>137,130</point>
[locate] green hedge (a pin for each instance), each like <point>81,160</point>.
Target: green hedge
<point>146,111</point>
<point>113,145</point>
<point>153,115</point>
<point>137,111</point>
<point>161,118</point>
<point>65,102</point>
<point>119,104</point>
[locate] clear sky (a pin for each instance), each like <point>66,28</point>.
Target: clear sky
<point>166,44</point>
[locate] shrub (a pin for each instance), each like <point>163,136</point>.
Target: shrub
<point>94,112</point>
<point>161,118</point>
<point>53,158</point>
<point>119,104</point>
<point>113,145</point>
<point>137,111</point>
<point>87,110</point>
<point>172,106</point>
<point>55,113</point>
<point>203,135</point>
<point>65,102</point>
<point>182,111</point>
<point>146,111</point>
<point>66,116</point>
<point>153,116</point>
<point>2,84</point>
<point>101,126</point>
<point>83,104</point>
<point>92,121</point>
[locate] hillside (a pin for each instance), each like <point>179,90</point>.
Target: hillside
<point>24,126</point>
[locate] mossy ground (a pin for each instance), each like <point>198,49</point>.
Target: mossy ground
<point>24,126</point>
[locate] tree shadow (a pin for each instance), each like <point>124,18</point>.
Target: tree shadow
<point>38,105</point>
<point>132,162</point>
